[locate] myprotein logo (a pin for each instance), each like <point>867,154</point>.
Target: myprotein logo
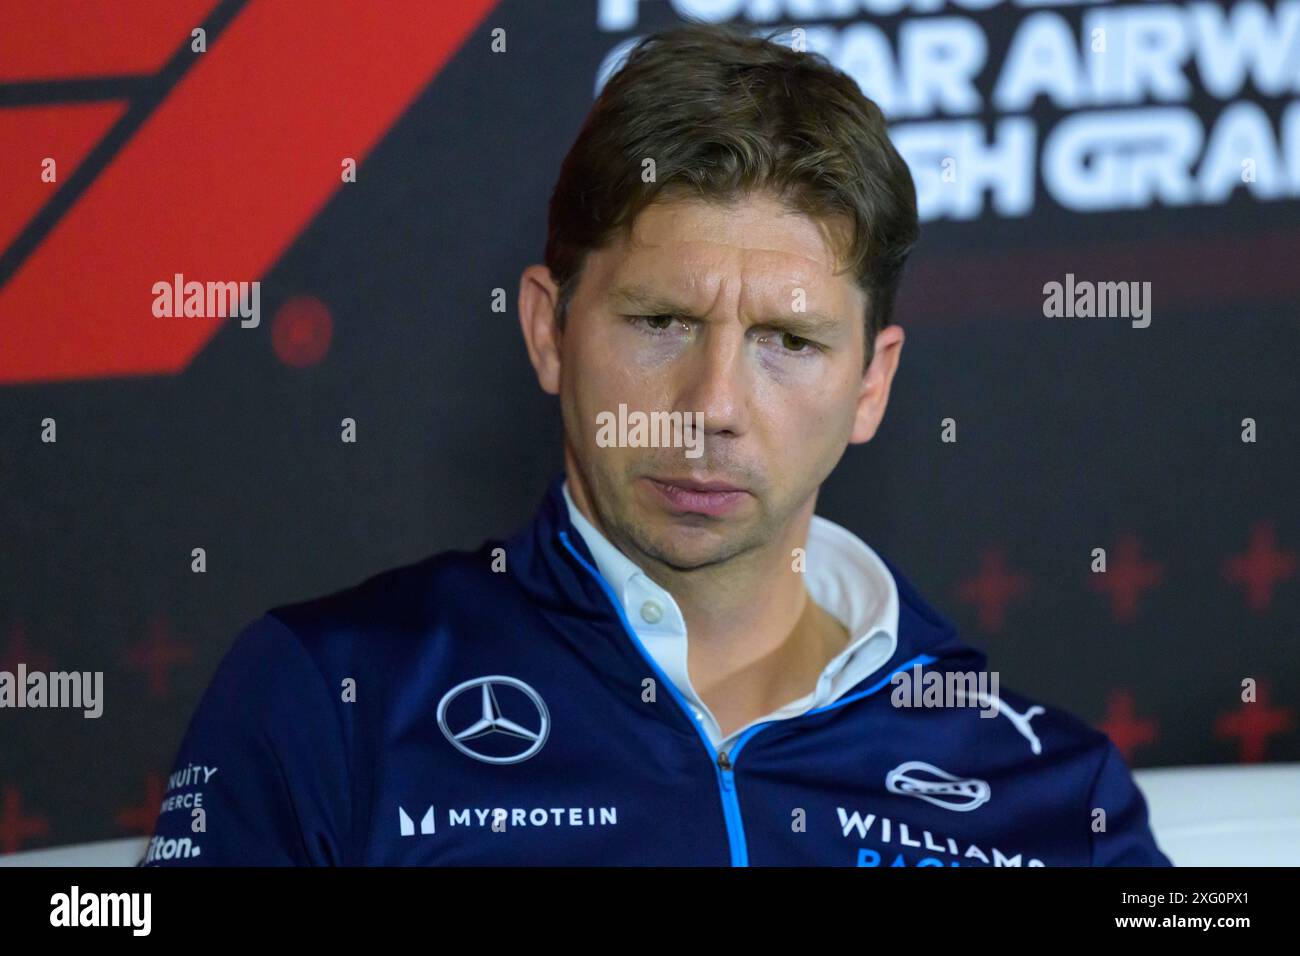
<point>927,782</point>
<point>504,819</point>
<point>406,826</point>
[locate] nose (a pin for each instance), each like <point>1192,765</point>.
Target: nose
<point>715,381</point>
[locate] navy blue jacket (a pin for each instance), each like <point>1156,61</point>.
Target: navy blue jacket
<point>496,708</point>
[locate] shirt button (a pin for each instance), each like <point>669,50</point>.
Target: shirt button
<point>651,612</point>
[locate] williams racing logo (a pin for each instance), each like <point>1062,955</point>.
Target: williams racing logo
<point>927,782</point>
<point>895,843</point>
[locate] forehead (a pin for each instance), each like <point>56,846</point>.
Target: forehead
<point>681,243</point>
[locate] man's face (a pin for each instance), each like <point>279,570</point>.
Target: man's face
<point>735,312</point>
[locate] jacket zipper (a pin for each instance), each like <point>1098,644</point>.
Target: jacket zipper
<point>723,762</point>
<point>722,767</point>
<point>731,810</point>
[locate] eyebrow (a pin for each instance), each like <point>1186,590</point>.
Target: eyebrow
<point>646,301</point>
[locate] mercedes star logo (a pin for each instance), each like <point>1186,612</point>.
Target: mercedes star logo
<point>492,722</point>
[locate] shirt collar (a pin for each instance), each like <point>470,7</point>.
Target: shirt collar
<point>843,575</point>
<point>614,566</point>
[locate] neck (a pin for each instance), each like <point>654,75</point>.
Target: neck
<point>757,640</point>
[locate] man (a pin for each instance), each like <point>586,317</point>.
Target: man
<point>677,662</point>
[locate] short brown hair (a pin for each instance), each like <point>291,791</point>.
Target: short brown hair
<point>721,113</point>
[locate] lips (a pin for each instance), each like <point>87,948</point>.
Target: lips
<point>690,484</point>
<point>690,495</point>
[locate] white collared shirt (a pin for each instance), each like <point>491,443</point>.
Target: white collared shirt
<point>843,576</point>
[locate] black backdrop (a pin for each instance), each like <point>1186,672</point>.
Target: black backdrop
<point>1073,433</point>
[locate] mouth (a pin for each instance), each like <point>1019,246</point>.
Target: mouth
<point>690,496</point>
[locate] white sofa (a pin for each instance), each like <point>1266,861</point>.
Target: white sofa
<point>1230,815</point>
<point>124,852</point>
<point>1233,815</point>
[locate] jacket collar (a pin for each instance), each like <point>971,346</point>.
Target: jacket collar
<point>554,576</point>
<point>545,568</point>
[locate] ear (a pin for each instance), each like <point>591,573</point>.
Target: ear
<point>874,394</point>
<point>538,295</point>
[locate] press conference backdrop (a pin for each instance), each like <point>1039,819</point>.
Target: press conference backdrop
<point>382,170</point>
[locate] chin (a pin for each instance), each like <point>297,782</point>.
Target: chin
<point>687,548</point>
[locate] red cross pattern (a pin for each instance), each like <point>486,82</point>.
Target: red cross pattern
<point>1124,727</point>
<point>992,589</point>
<point>1126,577</point>
<point>1261,567</point>
<point>156,655</point>
<point>1253,723</point>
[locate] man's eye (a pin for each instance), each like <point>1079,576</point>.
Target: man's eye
<point>655,323</point>
<point>791,343</point>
